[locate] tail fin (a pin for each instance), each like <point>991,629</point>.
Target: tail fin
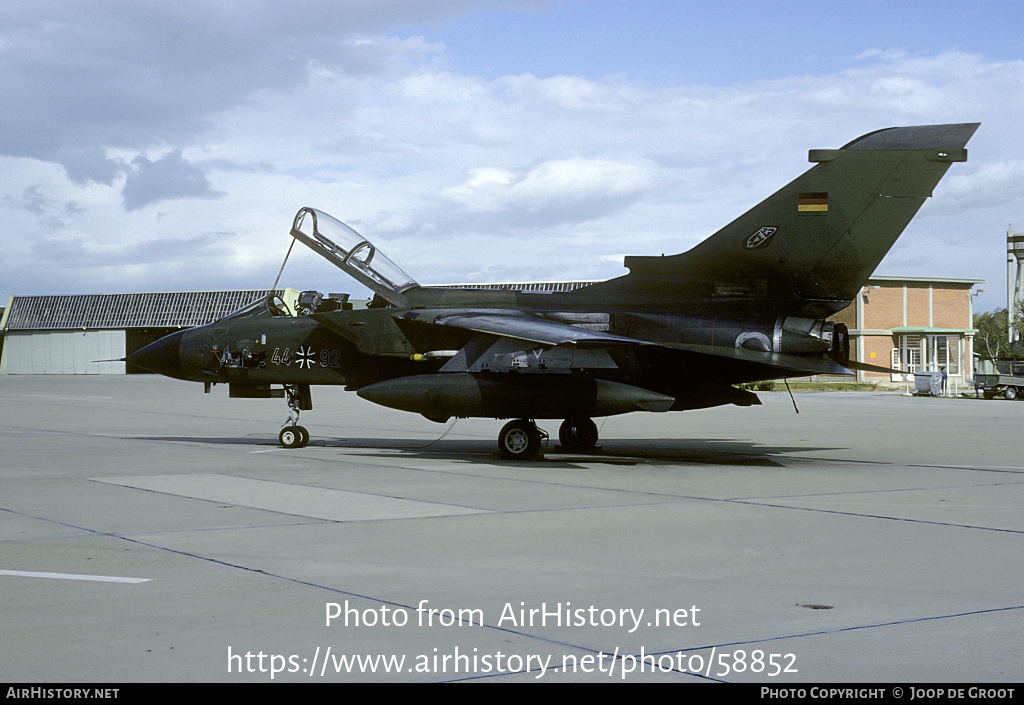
<point>821,237</point>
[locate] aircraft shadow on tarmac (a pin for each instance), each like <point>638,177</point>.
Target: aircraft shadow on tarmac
<point>687,451</point>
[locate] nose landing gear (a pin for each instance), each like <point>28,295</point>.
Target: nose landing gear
<point>293,437</point>
<point>299,399</point>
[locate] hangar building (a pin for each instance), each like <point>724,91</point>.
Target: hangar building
<point>88,334</point>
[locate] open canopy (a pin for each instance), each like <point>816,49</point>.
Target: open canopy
<point>353,253</point>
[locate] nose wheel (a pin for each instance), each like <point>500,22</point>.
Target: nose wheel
<point>293,435</point>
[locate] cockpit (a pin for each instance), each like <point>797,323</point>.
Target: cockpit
<point>291,302</point>
<point>351,252</point>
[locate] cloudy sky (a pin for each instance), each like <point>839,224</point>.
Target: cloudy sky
<point>150,145</point>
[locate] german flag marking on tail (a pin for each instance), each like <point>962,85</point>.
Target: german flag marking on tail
<point>812,203</point>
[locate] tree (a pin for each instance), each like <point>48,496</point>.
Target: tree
<point>1018,319</point>
<point>991,341</point>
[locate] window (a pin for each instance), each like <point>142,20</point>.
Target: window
<point>910,353</point>
<point>945,353</point>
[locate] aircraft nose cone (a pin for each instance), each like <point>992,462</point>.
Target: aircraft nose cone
<point>162,357</point>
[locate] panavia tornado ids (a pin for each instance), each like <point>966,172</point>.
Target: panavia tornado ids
<point>678,332</point>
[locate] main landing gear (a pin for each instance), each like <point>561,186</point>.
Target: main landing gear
<point>521,439</point>
<point>578,435</point>
<point>293,435</point>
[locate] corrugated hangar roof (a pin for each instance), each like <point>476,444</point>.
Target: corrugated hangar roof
<point>171,309</point>
<point>523,286</point>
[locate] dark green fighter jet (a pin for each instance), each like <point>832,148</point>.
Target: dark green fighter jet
<point>677,332</point>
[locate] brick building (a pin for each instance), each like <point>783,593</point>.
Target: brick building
<point>913,324</point>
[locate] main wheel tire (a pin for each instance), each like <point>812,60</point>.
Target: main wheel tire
<point>1010,393</point>
<point>519,439</point>
<point>578,435</point>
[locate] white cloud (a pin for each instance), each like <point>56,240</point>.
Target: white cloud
<point>574,189</point>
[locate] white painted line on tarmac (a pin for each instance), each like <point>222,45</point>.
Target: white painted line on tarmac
<point>68,576</point>
<point>294,499</point>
